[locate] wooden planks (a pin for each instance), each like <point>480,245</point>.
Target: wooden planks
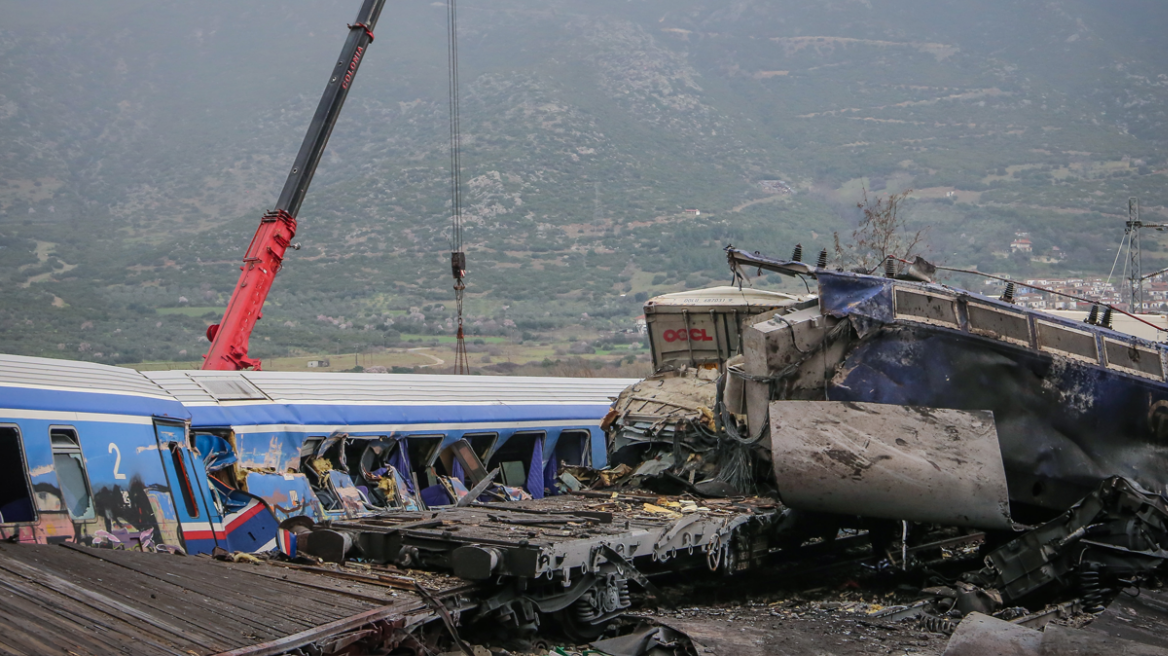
<point>89,602</point>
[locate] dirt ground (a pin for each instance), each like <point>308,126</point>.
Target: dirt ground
<point>806,631</point>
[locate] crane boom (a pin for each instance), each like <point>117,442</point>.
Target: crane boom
<point>229,338</point>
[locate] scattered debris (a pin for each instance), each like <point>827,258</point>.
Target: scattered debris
<point>894,462</point>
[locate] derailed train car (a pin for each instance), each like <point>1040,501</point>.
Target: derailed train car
<point>197,460</point>
<point>99,454</point>
<point>330,446</point>
<point>1069,403</point>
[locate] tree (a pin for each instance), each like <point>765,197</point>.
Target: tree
<point>881,233</point>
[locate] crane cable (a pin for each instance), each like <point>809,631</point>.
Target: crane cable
<point>457,255</point>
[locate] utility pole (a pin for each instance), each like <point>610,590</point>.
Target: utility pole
<point>1135,281</point>
<point>1136,277</point>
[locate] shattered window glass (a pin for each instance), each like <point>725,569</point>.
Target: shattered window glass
<point>70,467</point>
<point>482,443</point>
<point>572,447</point>
<point>515,456</point>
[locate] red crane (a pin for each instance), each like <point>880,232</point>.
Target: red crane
<point>229,338</point>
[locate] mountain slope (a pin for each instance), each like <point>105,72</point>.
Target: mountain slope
<point>142,141</point>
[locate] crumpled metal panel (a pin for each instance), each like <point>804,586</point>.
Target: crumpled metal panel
<point>1063,426</point>
<point>867,300</point>
<point>896,462</point>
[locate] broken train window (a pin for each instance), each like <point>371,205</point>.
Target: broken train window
<point>482,443</point>
<point>521,461</point>
<point>574,448</point>
<point>15,492</point>
<point>69,464</point>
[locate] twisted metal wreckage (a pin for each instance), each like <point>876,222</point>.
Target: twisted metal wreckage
<point>877,403</point>
<point>885,421</point>
<point>889,399</point>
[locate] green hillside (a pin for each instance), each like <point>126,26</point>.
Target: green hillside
<point>141,141</point>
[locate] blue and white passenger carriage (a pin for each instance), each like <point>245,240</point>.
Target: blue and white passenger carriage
<point>202,459</point>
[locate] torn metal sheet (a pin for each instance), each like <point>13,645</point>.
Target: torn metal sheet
<point>895,462</point>
<point>1074,402</point>
<point>1112,535</point>
<point>979,634</point>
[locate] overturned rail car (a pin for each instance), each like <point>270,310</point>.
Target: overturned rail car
<point>1073,403</point>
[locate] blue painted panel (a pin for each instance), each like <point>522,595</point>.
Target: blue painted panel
<point>289,495</point>
<point>119,404</point>
<point>354,415</point>
<point>130,490</point>
<point>866,299</point>
<point>1051,415</point>
<point>202,530</point>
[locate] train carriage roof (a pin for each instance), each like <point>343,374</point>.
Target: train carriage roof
<point>75,386</point>
<point>217,387</point>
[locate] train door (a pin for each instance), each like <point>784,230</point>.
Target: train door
<point>201,526</point>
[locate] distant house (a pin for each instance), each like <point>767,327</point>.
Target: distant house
<point>1021,245</point>
<point>642,325</point>
<point>694,212</point>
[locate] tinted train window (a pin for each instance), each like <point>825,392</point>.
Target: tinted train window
<point>71,476</point>
<point>15,492</point>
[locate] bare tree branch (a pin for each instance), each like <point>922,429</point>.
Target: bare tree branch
<point>881,232</point>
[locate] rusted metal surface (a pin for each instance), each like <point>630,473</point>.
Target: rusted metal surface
<point>895,462</point>
<point>82,601</point>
